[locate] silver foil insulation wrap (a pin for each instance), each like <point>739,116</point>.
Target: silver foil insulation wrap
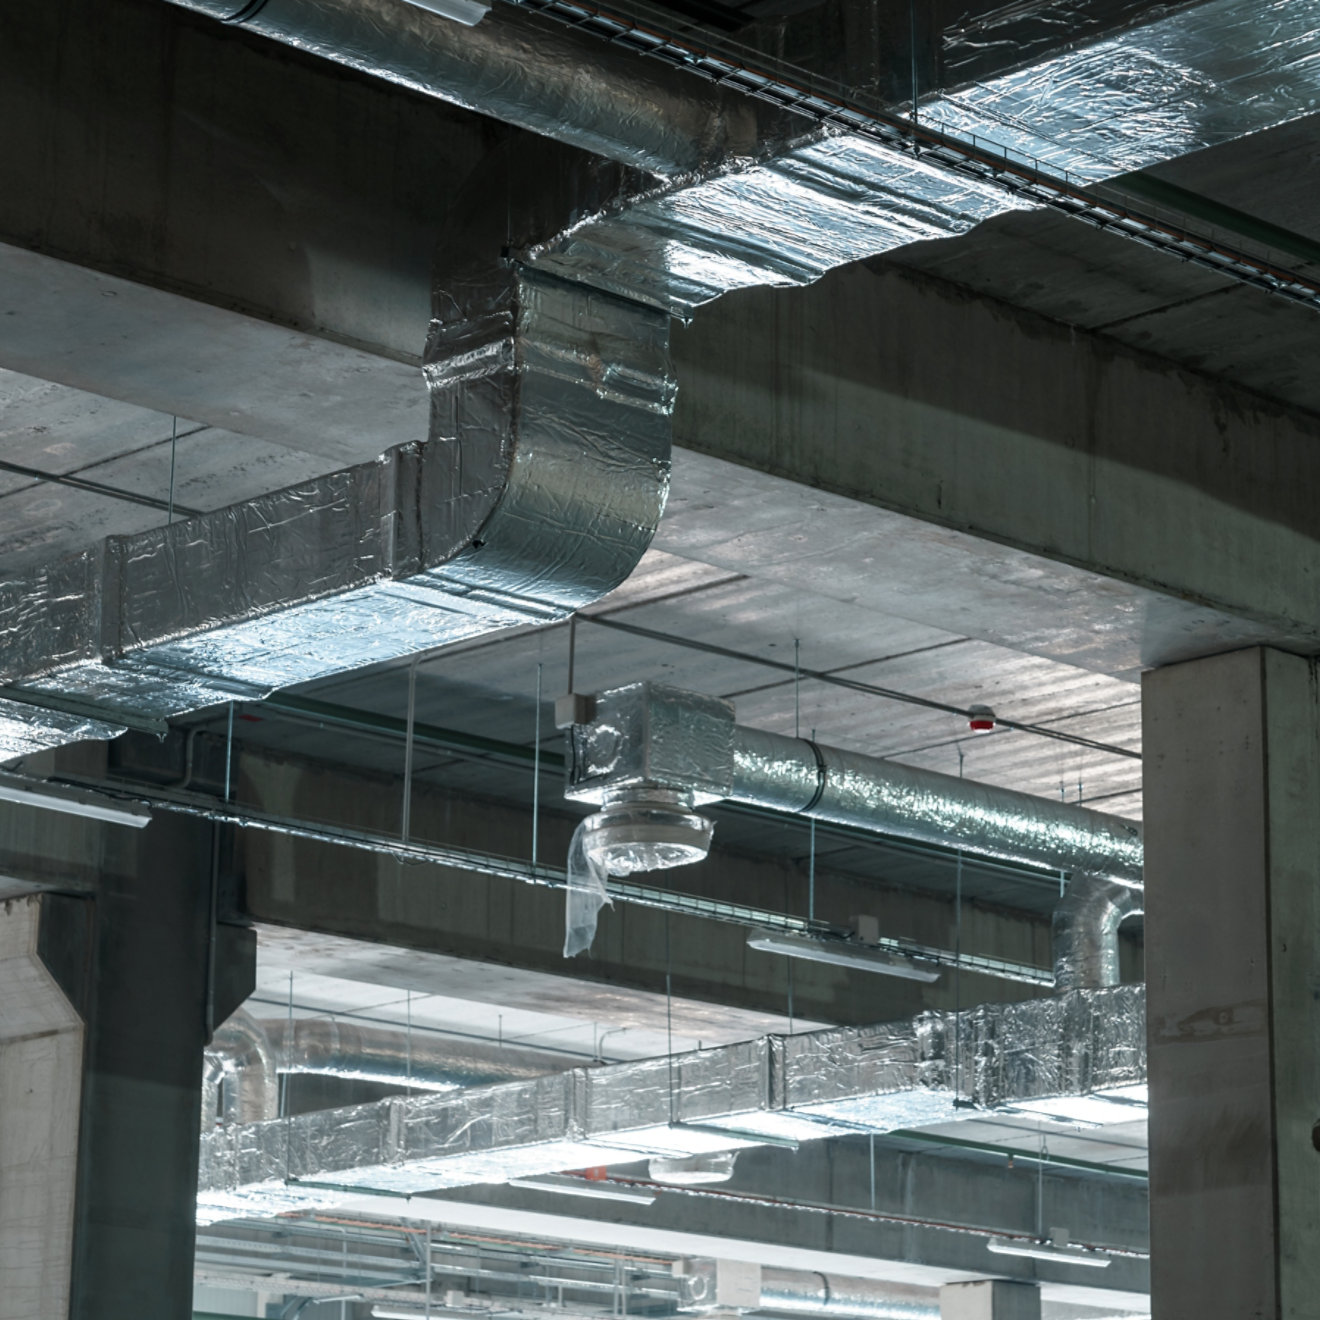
<point>1082,1051</point>
<point>650,735</point>
<point>750,198</point>
<point>540,489</point>
<point>782,220</point>
<point>525,71</point>
<point>248,1056</point>
<point>1198,76</point>
<point>847,788</point>
<point>1085,932</point>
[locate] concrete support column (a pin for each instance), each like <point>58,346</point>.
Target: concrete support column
<point>1232,807</point>
<point>990,1299</point>
<point>41,1045</point>
<point>104,1075</point>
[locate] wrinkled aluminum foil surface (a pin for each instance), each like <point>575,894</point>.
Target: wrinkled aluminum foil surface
<point>1048,1055</point>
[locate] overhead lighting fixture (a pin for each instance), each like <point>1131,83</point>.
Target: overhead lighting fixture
<point>844,953</point>
<point>72,802</point>
<point>1047,1250</point>
<point>569,1186</point>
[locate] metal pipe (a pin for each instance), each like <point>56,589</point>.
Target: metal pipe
<point>249,1056</point>
<point>335,1048</point>
<point>803,1292</point>
<point>521,69</point>
<point>846,788</point>
<point>1086,924</point>
<point>212,1078</point>
<point>241,1049</point>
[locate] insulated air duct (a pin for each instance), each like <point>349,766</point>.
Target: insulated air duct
<point>798,1292</point>
<point>647,737</point>
<point>1080,1055</point>
<point>527,72</point>
<point>546,471</point>
<point>239,1068</point>
<point>1086,923</point>
<point>709,1285</point>
<point>538,492</point>
<point>780,203</point>
<point>250,1055</point>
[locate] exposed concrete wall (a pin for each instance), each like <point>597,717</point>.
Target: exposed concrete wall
<point>164,146</point>
<point>185,172</point>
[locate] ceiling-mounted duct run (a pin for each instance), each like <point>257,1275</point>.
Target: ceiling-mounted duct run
<point>706,1289</point>
<point>755,197</point>
<point>1081,1050</point>
<point>250,1055</point>
<point>1085,932</point>
<point>532,74</point>
<point>539,491</point>
<point>650,737</point>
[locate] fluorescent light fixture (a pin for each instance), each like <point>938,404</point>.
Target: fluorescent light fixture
<point>401,1313</point>
<point>567,1186</point>
<point>844,953</point>
<point>72,801</point>
<point>467,12</point>
<point>1061,1252</point>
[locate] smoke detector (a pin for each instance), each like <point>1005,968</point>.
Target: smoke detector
<point>646,829</point>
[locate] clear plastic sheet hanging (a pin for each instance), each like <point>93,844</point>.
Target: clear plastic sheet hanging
<point>585,896</point>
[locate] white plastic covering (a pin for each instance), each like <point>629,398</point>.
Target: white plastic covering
<point>585,896</point>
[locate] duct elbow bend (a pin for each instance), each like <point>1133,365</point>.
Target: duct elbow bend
<point>1085,929</point>
<point>241,1052</point>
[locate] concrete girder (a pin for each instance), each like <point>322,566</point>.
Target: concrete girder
<point>905,1230</point>
<point>1053,492</point>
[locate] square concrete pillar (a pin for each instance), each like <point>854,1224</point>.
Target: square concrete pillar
<point>990,1299</point>
<point>41,1050</point>
<point>106,1003</point>
<point>1232,810</point>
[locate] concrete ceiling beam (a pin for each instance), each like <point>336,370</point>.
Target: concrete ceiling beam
<point>816,1209</point>
<point>1051,491</point>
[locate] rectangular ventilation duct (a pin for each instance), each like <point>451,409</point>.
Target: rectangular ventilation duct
<point>1085,1048</point>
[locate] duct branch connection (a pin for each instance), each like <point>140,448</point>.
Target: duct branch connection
<point>648,739</point>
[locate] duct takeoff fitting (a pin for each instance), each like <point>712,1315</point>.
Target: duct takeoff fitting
<point>675,750</point>
<point>645,829</point>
